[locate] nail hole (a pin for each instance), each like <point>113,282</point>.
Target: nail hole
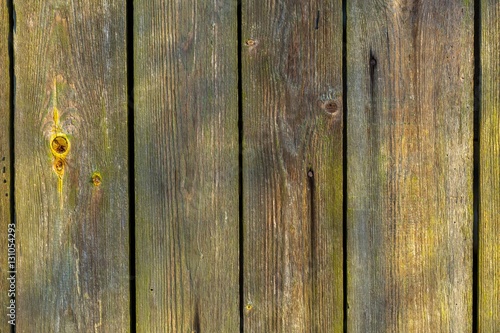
<point>97,181</point>
<point>310,173</point>
<point>5,181</point>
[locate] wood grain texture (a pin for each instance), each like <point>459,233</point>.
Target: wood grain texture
<point>409,146</point>
<point>489,173</point>
<point>73,272</point>
<point>292,165</point>
<point>5,160</point>
<point>186,166</point>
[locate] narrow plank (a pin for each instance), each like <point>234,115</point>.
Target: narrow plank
<point>489,172</point>
<point>292,165</point>
<point>5,200</point>
<point>409,146</point>
<point>71,166</point>
<point>186,166</point>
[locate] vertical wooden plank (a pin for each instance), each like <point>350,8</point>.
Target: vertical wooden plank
<point>186,166</point>
<point>489,172</point>
<point>5,186</point>
<point>292,165</point>
<point>410,133</point>
<point>71,166</point>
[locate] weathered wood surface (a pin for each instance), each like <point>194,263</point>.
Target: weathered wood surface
<point>5,186</point>
<point>186,166</point>
<point>409,170</point>
<point>409,146</point>
<point>489,182</point>
<point>292,165</point>
<point>73,238</point>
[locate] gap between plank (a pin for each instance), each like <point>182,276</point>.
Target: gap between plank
<point>240,165</point>
<point>12,93</point>
<point>131,158</point>
<point>476,162</point>
<point>344,159</point>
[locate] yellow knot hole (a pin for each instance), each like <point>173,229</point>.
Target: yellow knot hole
<point>96,179</point>
<point>60,145</point>
<point>59,166</point>
<point>248,307</point>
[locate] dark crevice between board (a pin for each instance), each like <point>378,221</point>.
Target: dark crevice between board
<point>240,165</point>
<point>131,159</point>
<point>12,93</point>
<point>476,161</point>
<point>344,160</point>
<point>312,260</point>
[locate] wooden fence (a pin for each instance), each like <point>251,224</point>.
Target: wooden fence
<point>250,166</point>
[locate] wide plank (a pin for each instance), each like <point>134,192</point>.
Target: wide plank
<point>489,169</point>
<point>71,166</point>
<point>7,243</point>
<point>292,121</point>
<point>409,166</point>
<point>186,166</point>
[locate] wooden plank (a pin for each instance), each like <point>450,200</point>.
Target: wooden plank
<point>5,161</point>
<point>292,166</point>
<point>489,170</point>
<point>71,166</point>
<point>186,166</point>
<point>410,149</point>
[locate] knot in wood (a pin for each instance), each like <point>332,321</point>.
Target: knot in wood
<point>59,145</point>
<point>330,106</point>
<point>97,181</point>
<point>59,166</point>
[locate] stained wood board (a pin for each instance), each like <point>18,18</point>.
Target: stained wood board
<point>292,119</point>
<point>186,166</point>
<point>71,166</point>
<point>409,166</point>
<point>489,169</point>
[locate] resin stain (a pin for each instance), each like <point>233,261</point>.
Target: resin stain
<point>59,143</point>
